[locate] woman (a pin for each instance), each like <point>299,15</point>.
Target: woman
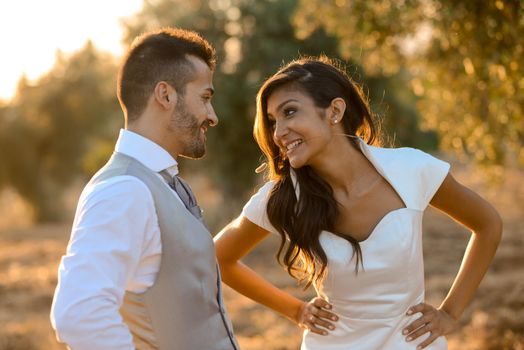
<point>349,215</point>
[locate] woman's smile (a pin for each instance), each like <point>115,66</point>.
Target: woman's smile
<point>292,146</point>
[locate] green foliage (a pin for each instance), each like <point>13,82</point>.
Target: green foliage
<point>464,60</point>
<point>47,129</point>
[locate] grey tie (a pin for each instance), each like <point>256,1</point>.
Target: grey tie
<point>184,192</point>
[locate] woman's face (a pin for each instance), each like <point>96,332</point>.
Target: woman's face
<point>300,129</point>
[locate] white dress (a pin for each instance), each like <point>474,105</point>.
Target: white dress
<point>372,304</point>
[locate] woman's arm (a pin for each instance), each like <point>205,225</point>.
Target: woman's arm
<point>234,242</point>
<point>475,213</point>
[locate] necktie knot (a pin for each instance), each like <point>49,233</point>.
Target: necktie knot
<point>185,193</point>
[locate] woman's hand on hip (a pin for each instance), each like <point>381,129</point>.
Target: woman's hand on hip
<point>315,316</point>
<point>436,322</point>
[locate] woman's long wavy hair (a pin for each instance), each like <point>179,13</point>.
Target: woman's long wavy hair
<point>300,221</point>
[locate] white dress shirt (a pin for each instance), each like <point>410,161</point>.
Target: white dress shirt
<point>114,246</point>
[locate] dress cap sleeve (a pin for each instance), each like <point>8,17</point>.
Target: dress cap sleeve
<point>415,175</point>
<point>431,172</point>
<point>255,209</point>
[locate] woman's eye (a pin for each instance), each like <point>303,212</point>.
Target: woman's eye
<point>289,111</point>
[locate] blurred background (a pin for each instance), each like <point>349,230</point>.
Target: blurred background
<point>442,75</point>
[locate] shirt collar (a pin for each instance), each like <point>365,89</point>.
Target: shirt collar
<point>146,152</point>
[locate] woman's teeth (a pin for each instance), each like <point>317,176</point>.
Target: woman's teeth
<point>293,145</point>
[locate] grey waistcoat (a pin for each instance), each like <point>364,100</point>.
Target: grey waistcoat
<point>183,309</point>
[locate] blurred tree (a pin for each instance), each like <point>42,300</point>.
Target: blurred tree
<point>253,39</point>
<point>49,128</point>
<point>464,60</point>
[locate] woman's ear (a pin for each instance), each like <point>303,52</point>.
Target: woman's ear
<point>337,107</point>
<point>165,95</point>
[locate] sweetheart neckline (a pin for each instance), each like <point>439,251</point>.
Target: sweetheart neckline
<point>379,223</point>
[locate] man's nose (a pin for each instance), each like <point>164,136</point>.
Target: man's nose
<point>212,117</point>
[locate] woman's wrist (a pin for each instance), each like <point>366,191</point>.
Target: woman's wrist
<point>299,307</point>
<point>454,315</point>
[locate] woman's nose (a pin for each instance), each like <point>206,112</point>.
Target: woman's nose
<point>280,130</point>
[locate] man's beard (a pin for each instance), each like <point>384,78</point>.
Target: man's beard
<point>186,125</point>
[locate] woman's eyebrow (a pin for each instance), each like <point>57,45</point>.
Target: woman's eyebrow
<point>286,101</point>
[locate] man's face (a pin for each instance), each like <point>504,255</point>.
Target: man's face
<point>194,113</point>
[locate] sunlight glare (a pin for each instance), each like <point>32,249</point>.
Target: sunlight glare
<point>33,30</point>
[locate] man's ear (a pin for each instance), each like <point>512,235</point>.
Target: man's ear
<point>165,95</point>
<point>337,109</point>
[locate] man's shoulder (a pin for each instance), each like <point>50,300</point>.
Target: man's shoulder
<point>118,164</point>
<point>115,188</point>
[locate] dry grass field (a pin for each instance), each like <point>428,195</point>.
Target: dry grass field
<point>29,258</point>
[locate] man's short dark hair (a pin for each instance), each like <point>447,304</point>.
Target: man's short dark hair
<point>160,55</point>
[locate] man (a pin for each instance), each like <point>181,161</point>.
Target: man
<point>140,269</point>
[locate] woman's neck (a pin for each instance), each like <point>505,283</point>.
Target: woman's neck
<point>344,167</point>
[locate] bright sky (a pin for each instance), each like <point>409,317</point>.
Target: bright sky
<point>32,30</point>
